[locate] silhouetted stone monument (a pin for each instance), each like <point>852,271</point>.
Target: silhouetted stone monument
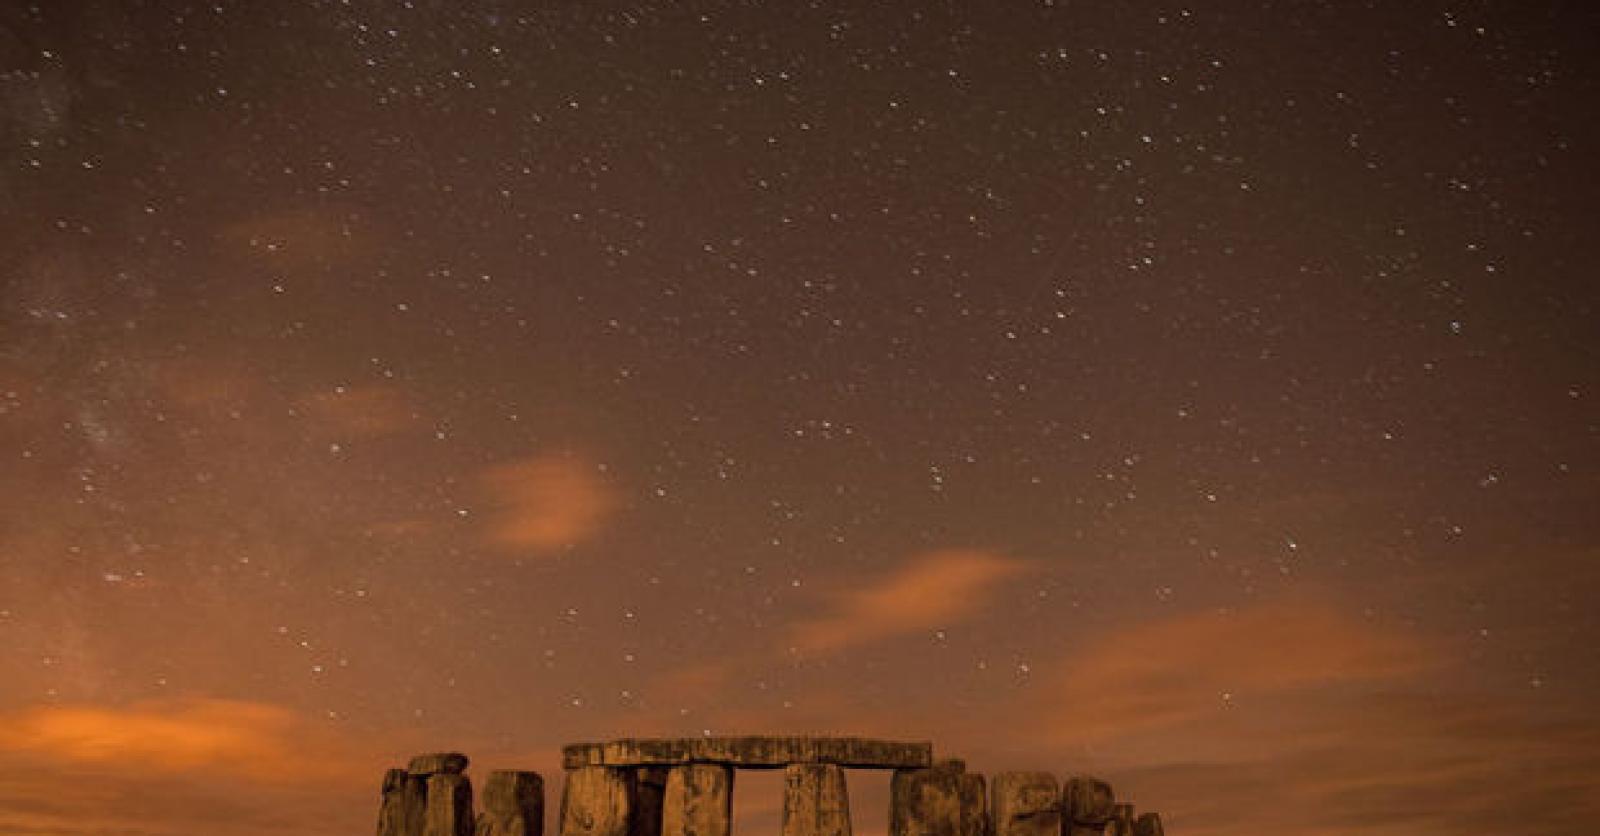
<point>684,787</point>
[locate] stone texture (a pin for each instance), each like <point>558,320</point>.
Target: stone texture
<point>1148,824</point>
<point>438,763</point>
<point>815,800</point>
<point>513,804</point>
<point>698,801</point>
<point>400,813</point>
<point>449,805</point>
<point>1025,804</point>
<point>974,805</point>
<point>1087,804</point>
<point>926,802</point>
<point>1121,823</point>
<point>753,752</point>
<point>597,801</point>
<point>649,790</point>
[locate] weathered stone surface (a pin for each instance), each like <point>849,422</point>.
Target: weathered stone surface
<point>698,801</point>
<point>449,805</point>
<point>438,763</point>
<point>1087,804</point>
<point>649,791</point>
<point>394,817</point>
<point>597,801</point>
<point>1025,804</point>
<point>926,802</point>
<point>754,752</point>
<point>1121,823</point>
<point>815,800</point>
<point>513,804</point>
<point>974,805</point>
<point>1148,824</point>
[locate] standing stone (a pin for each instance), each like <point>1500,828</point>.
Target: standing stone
<point>1088,804</point>
<point>649,788</point>
<point>974,805</point>
<point>1121,823</point>
<point>395,816</point>
<point>597,801</point>
<point>815,801</point>
<point>1148,824</point>
<point>926,802</point>
<point>1025,804</point>
<point>449,810</point>
<point>698,801</point>
<point>513,804</point>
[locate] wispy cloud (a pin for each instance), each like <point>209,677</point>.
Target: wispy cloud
<point>1185,667</point>
<point>545,502</point>
<point>1302,717</point>
<point>249,739</point>
<point>929,591</point>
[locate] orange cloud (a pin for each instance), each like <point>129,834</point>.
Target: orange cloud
<point>546,502</point>
<point>1182,668</point>
<point>250,739</point>
<point>932,590</point>
<point>1373,758</point>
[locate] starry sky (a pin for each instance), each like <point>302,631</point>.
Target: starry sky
<point>1205,397</point>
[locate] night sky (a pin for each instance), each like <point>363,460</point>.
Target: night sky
<point>1203,397</point>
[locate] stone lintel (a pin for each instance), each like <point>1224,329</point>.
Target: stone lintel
<point>752,752</point>
<point>438,763</point>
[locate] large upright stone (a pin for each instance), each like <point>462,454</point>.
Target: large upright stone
<point>974,805</point>
<point>449,810</point>
<point>698,801</point>
<point>597,801</point>
<point>1121,823</point>
<point>649,791</point>
<point>815,801</point>
<point>401,812</point>
<point>926,802</point>
<point>1148,824</point>
<point>1087,804</point>
<point>513,804</point>
<point>1025,804</point>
